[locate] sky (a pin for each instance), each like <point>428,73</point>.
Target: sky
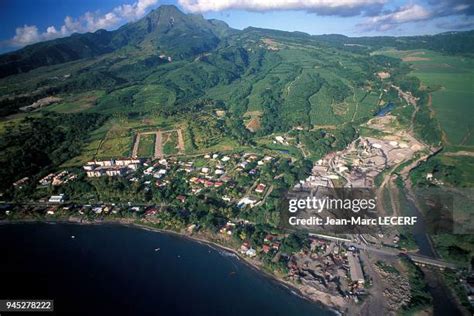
<point>24,22</point>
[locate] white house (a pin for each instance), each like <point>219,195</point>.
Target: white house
<point>251,252</point>
<point>114,172</point>
<point>57,199</point>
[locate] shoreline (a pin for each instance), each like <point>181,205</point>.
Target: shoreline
<point>326,303</point>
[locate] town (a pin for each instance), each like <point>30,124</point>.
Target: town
<point>167,193</point>
<point>233,198</point>
<point>242,182</point>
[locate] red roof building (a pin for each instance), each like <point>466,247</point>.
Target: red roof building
<point>260,188</point>
<point>266,248</point>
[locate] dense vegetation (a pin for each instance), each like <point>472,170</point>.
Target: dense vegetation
<point>35,144</point>
<point>170,66</point>
<point>420,296</point>
<point>279,80</point>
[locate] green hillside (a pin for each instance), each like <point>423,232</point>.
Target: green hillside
<point>165,30</point>
<point>224,88</point>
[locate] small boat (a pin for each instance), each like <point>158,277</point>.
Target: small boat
<point>72,236</point>
<point>157,249</point>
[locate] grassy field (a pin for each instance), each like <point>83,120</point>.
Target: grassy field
<point>453,79</point>
<point>153,96</point>
<point>147,146</point>
<point>170,143</point>
<point>12,120</point>
<point>90,150</point>
<point>116,143</point>
<point>114,139</point>
<point>77,102</point>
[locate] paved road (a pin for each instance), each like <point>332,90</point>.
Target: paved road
<point>386,251</point>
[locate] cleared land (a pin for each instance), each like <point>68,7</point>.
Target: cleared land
<point>146,146</point>
<point>164,143</point>
<point>170,143</point>
<point>77,103</point>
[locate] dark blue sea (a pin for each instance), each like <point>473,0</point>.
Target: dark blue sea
<point>115,270</point>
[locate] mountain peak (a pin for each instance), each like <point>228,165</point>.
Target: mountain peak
<point>163,18</point>
<point>167,9</point>
<point>173,32</point>
<point>165,29</point>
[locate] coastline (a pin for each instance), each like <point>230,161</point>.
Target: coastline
<point>324,300</point>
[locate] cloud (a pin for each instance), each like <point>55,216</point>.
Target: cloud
<point>392,19</point>
<point>131,12</point>
<point>88,22</point>
<point>378,16</point>
<point>460,10</point>
<point>26,34</point>
<point>320,7</point>
<point>458,24</point>
<point>452,7</point>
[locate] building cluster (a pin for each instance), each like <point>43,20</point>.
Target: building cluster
<point>168,58</point>
<point>280,140</point>
<point>111,168</point>
<point>271,243</point>
<point>329,267</point>
<point>20,183</point>
<point>59,178</point>
<point>431,178</point>
<point>58,205</point>
<point>247,250</point>
<point>228,229</point>
<point>360,163</point>
<point>215,171</point>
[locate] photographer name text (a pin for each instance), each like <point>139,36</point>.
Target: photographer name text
<point>328,221</point>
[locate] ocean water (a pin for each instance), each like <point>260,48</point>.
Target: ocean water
<point>117,270</point>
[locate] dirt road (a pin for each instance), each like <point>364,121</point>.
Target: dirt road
<point>180,140</point>
<point>158,146</point>
<point>135,146</point>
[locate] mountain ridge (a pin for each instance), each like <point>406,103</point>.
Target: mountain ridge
<point>167,30</point>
